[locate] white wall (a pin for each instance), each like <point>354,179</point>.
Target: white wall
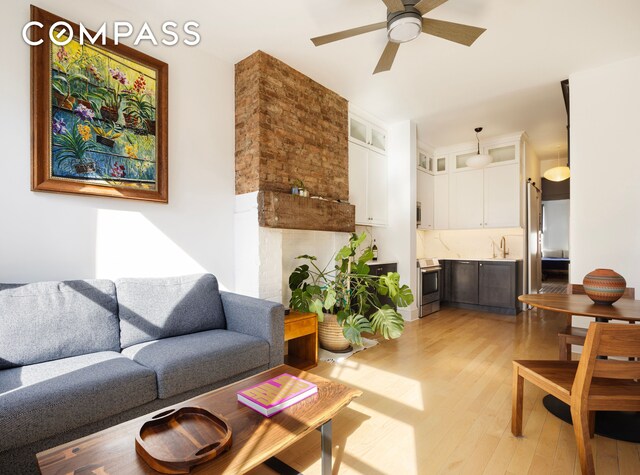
<point>54,236</point>
<point>556,225</point>
<point>605,170</point>
<point>398,241</point>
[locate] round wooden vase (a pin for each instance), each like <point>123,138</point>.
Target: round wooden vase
<point>331,337</point>
<point>604,286</point>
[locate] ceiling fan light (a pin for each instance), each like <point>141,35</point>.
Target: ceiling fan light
<point>480,160</point>
<point>404,29</point>
<point>558,173</point>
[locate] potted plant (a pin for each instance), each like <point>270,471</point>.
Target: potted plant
<point>346,297</point>
<point>112,96</point>
<point>106,136</point>
<point>139,110</point>
<point>61,85</point>
<point>72,145</point>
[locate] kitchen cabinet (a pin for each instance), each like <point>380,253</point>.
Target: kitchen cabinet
<point>367,134</point>
<point>368,185</point>
<point>466,189</point>
<point>479,198</point>
<point>441,202</point>
<point>491,285</point>
<point>464,282</point>
<point>496,284</point>
<point>486,198</point>
<point>502,196</point>
<point>425,195</point>
<point>445,282</point>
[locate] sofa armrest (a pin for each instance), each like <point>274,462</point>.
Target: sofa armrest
<point>259,318</point>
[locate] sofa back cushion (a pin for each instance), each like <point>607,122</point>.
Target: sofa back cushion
<point>51,320</point>
<point>151,309</point>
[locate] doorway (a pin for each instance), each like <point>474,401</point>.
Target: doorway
<point>556,255</point>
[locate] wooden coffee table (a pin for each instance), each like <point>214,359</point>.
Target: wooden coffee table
<point>256,439</point>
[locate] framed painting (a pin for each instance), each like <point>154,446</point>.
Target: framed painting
<point>98,116</point>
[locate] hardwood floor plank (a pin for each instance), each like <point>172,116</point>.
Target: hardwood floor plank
<point>438,400</point>
<point>628,459</point>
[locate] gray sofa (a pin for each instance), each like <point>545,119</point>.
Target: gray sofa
<point>80,356</point>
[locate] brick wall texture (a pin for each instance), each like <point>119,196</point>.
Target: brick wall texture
<point>288,126</point>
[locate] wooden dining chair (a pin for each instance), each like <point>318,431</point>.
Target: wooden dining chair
<point>588,385</point>
<point>571,335</point>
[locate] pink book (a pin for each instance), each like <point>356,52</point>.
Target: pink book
<point>272,396</point>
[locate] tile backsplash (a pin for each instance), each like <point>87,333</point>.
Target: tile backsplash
<point>469,243</point>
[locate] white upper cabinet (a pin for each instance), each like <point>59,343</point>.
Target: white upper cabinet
<point>425,193</point>
<point>366,133</point>
<point>459,159</point>
<point>501,196</point>
<point>377,192</point>
<point>466,190</point>
<point>468,198</point>
<point>368,186</point>
<point>441,202</point>
<point>358,156</point>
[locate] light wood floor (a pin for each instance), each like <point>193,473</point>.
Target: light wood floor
<point>438,400</point>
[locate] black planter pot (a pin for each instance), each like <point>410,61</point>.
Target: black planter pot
<point>109,113</point>
<point>105,141</point>
<point>85,167</point>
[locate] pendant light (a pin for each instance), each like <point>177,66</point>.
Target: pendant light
<point>480,160</point>
<point>558,173</point>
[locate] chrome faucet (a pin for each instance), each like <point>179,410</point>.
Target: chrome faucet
<point>503,247</point>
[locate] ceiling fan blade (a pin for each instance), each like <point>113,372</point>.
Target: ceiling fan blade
<point>388,55</point>
<point>463,34</point>
<point>341,35</point>
<point>394,5</point>
<point>425,6</point>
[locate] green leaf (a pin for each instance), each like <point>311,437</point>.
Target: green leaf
<point>387,322</point>
<point>316,306</point>
<point>353,327</point>
<point>389,284</point>
<point>330,299</point>
<point>360,268</point>
<point>366,256</point>
<point>299,300</point>
<point>356,240</point>
<point>344,253</point>
<point>307,256</point>
<point>404,297</point>
<point>298,276</point>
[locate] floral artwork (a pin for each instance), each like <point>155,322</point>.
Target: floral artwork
<point>103,118</point>
<point>105,135</point>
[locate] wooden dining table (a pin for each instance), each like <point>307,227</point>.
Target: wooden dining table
<point>615,425</point>
<point>575,304</point>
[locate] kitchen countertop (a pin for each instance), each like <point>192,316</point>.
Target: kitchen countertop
<point>379,263</point>
<point>480,259</point>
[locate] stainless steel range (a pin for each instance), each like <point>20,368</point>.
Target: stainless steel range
<point>429,277</point>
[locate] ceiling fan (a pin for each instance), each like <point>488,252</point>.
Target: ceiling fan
<point>405,23</point>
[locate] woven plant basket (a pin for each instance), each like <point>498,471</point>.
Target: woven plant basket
<point>330,335</point>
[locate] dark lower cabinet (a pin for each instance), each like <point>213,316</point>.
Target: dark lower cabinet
<point>464,282</point>
<point>491,286</point>
<point>445,281</point>
<point>496,284</point>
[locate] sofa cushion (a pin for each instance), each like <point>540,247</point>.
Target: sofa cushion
<point>188,362</point>
<point>151,309</point>
<point>49,398</point>
<point>51,320</point>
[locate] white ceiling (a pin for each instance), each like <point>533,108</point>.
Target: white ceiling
<point>509,80</point>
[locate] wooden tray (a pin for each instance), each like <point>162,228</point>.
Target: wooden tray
<point>173,441</point>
